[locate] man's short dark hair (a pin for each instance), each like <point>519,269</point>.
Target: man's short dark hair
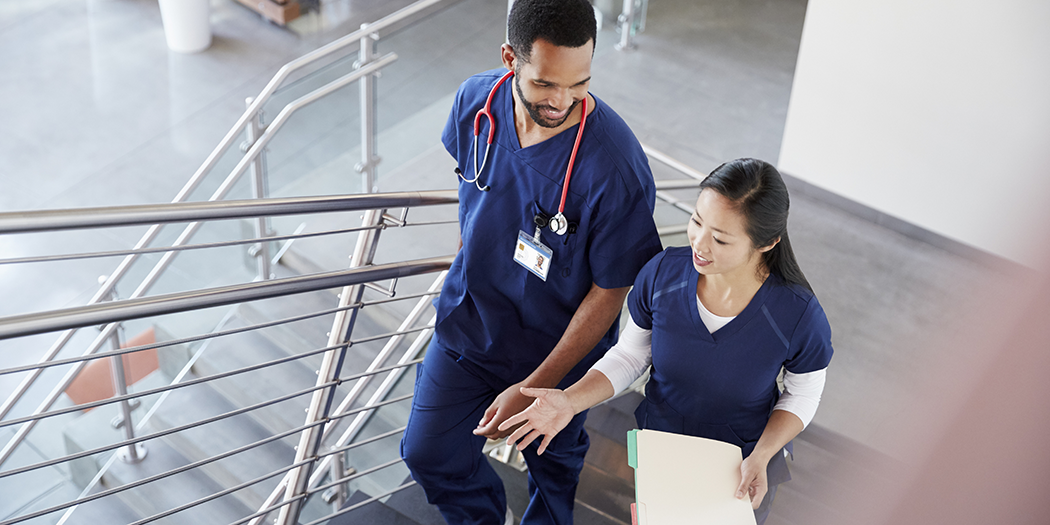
<point>565,23</point>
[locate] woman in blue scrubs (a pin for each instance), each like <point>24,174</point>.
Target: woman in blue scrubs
<point>717,321</point>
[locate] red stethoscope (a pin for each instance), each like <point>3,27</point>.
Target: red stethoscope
<point>558,224</point>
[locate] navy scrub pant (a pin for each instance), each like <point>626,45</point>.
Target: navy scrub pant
<point>445,457</point>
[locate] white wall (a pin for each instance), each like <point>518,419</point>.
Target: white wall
<point>933,111</point>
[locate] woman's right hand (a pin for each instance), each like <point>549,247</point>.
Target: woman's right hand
<point>547,416</point>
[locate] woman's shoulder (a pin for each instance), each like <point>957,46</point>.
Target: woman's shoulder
<point>791,299</point>
<point>671,258</point>
<point>795,309</point>
<point>664,266</point>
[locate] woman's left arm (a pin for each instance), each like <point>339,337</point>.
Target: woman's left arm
<point>795,409</point>
<point>782,427</point>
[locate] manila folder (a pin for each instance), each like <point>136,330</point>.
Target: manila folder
<point>686,480</point>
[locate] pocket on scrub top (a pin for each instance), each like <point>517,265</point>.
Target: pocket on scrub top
<point>721,432</point>
<point>654,415</point>
<point>562,246</point>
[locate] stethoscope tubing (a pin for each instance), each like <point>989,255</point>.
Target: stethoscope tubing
<point>487,113</point>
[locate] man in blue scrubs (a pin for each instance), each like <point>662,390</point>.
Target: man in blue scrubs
<point>526,303</point>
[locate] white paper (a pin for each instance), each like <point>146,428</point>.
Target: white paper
<point>688,480</point>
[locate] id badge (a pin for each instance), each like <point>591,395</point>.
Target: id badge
<point>533,255</point>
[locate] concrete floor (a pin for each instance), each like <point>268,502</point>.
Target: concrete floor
<point>96,111</point>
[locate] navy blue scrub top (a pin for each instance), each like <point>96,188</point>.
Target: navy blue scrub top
<point>492,310</point>
<point>722,385</point>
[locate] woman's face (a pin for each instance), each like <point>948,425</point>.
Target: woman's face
<point>718,235</point>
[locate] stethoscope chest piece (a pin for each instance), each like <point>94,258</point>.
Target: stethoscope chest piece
<point>559,224</point>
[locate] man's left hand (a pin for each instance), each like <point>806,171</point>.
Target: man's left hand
<point>508,403</point>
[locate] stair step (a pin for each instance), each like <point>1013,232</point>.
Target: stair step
<point>614,418</point>
<point>173,491</point>
<point>375,512</point>
<point>198,402</point>
<point>250,348</point>
<point>412,502</point>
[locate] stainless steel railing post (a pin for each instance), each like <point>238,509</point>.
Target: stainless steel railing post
<point>260,251</point>
<point>626,20</point>
<point>132,453</point>
<point>369,152</point>
<point>336,496</point>
<point>297,481</point>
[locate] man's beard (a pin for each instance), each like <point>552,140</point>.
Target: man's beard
<point>534,109</point>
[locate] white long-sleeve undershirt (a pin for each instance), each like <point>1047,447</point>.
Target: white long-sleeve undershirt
<point>632,355</point>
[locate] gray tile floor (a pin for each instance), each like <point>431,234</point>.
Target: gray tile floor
<point>96,111</point>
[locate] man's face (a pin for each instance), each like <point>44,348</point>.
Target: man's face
<point>553,82</point>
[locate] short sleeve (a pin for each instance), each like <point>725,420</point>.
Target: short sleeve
<point>810,348</point>
<point>450,135</point>
<point>624,239</point>
<point>640,300</point>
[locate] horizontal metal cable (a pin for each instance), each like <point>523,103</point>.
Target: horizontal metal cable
<point>675,164</point>
<point>169,431</point>
<point>677,203</point>
<point>114,311</point>
<point>267,510</point>
<point>168,473</point>
<point>426,223</point>
<point>359,505</point>
<point>210,335</point>
<point>188,426</point>
<point>309,460</point>
<point>159,390</point>
<point>240,486</point>
<point>354,476</point>
<point>349,413</point>
<point>219,494</point>
<point>223,244</point>
<point>390,334</point>
<point>356,444</point>
<point>166,388</point>
<point>664,231</point>
<point>173,342</point>
<point>676,184</point>
<point>197,211</point>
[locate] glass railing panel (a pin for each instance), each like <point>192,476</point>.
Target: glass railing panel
<point>435,55</point>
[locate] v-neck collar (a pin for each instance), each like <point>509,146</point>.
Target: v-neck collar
<point>733,326</point>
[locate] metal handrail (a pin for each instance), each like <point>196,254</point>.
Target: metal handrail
<point>203,337</point>
<point>205,461</point>
<point>220,244</point>
<point>84,316</point>
<point>256,480</point>
<point>146,393</point>
<point>134,215</point>
<point>679,166</point>
<point>53,217</point>
<point>114,311</point>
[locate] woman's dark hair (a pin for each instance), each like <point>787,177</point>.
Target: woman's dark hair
<point>758,191</point>
<point>565,23</point>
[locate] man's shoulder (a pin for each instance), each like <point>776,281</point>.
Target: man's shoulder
<point>618,146</point>
<point>479,85</point>
<point>612,130</point>
<point>612,122</point>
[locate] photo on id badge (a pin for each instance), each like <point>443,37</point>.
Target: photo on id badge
<point>533,255</point>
